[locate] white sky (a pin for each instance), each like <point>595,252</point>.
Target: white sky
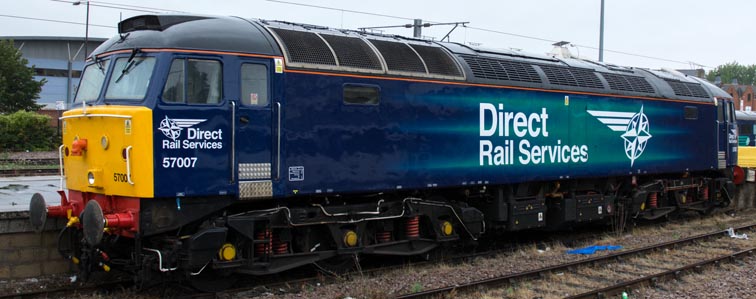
<point>704,32</point>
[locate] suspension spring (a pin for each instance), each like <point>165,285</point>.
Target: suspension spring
<point>652,200</point>
<point>280,247</point>
<point>383,237</point>
<point>706,193</point>
<point>262,247</point>
<point>413,227</point>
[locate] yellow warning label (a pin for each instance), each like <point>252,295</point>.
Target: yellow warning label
<point>279,65</point>
<point>127,127</point>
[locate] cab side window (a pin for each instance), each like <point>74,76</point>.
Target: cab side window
<point>254,84</point>
<point>193,81</point>
<point>359,94</point>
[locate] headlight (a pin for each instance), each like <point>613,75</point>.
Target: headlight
<point>90,178</point>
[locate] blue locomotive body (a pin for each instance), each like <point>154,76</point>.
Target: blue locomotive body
<point>444,135</point>
<point>431,137</point>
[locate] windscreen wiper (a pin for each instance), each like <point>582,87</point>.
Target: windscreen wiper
<point>129,64</point>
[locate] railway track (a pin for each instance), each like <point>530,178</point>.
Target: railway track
<point>291,283</point>
<point>44,161</point>
<point>372,269</point>
<point>609,275</point>
<point>29,172</point>
<point>29,167</point>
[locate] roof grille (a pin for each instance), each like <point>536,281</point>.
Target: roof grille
<point>499,69</point>
<point>399,56</point>
<point>437,61</point>
<point>305,47</point>
<point>628,83</point>
<point>571,77</point>
<point>353,52</point>
<point>687,89</point>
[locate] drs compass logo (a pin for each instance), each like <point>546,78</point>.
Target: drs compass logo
<point>634,125</point>
<point>172,128</point>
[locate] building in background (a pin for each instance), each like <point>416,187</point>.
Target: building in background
<point>742,95</point>
<point>59,60</point>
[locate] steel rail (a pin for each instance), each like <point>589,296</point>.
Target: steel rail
<point>28,172</point>
<point>501,280</point>
<point>660,277</point>
<point>42,161</point>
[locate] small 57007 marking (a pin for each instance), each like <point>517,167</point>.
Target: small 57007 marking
<point>179,162</point>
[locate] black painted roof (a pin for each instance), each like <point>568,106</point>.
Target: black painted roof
<point>348,51</point>
<point>211,33</point>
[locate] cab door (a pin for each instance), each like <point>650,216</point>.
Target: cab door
<point>727,137</point>
<point>254,120</point>
<point>192,129</point>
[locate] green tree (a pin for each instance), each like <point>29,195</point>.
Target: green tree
<point>746,74</point>
<point>26,131</point>
<point>18,89</point>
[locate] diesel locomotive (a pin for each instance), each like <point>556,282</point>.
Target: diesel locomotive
<point>206,146</point>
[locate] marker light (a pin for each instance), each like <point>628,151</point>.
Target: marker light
<point>446,228</point>
<point>104,142</point>
<point>91,178</point>
<point>350,238</point>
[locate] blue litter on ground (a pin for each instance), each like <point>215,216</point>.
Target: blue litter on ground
<point>593,249</point>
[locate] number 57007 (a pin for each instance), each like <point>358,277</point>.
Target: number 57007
<point>179,162</point>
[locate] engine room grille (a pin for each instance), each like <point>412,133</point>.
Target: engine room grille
<point>571,77</point>
<point>305,47</point>
<point>399,56</point>
<point>687,89</point>
<point>353,52</point>
<point>497,69</point>
<point>437,61</point>
<point>628,83</point>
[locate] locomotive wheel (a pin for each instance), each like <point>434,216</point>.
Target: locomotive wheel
<point>212,281</point>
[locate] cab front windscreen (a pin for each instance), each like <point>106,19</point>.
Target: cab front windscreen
<point>128,80</point>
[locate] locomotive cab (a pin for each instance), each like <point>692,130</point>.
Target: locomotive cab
<point>178,134</point>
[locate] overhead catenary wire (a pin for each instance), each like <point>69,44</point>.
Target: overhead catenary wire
<point>137,6</point>
<point>122,6</point>
<point>488,30</point>
<point>344,10</point>
<point>579,45</point>
<point>55,21</point>
<point>112,5</point>
<point>97,4</point>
